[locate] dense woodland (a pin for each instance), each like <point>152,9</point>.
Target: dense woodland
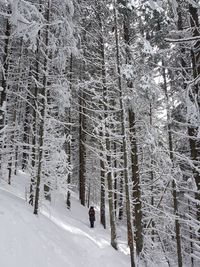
<point>102,98</point>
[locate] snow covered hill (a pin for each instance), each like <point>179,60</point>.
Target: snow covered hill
<point>56,238</point>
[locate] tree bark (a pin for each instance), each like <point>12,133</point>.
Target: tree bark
<point>104,88</point>
<point>42,112</point>
<point>134,153</point>
<point>82,150</point>
<point>120,204</point>
<point>115,179</point>
<point>68,201</point>
<point>124,143</point>
<point>174,190</point>
<point>26,135</point>
<point>5,72</point>
<point>110,195</point>
<point>4,82</point>
<point>194,140</point>
<point>152,177</point>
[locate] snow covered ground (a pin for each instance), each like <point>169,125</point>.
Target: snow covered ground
<point>55,238</point>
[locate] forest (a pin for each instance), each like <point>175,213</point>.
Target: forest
<point>101,98</point>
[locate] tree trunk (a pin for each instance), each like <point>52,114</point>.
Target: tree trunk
<point>152,178</point>
<point>110,196</point>
<point>5,73</point>
<point>4,83</point>
<point>134,157</point>
<point>12,140</point>
<point>174,191</point>
<point>124,143</point>
<point>68,201</point>
<point>35,123</point>
<point>26,135</point>
<point>136,184</point>
<point>103,105</point>
<point>194,140</point>
<point>121,191</point>
<point>42,112</point>
<point>115,179</point>
<point>102,200</point>
<point>82,150</point>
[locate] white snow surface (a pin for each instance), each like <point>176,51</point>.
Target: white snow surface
<point>56,238</point>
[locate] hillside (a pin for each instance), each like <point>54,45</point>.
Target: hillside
<point>56,238</point>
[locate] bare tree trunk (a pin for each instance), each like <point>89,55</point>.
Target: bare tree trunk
<point>5,72</point>
<point>4,81</point>
<point>103,105</point>
<point>103,182</point>
<point>34,137</point>
<point>191,238</point>
<point>134,153</point>
<point>102,200</point>
<point>42,112</point>
<point>16,159</point>
<point>68,201</point>
<point>136,184</point>
<point>13,147</point>
<point>26,135</point>
<point>194,140</point>
<point>120,204</point>
<point>124,142</point>
<point>35,123</point>
<point>103,74</point>
<point>110,195</point>
<point>10,163</point>
<point>184,75</point>
<point>106,135</point>
<point>152,178</point>
<point>82,150</point>
<point>174,191</point>
<point>115,179</point>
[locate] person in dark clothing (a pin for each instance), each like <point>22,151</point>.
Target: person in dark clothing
<point>91,216</point>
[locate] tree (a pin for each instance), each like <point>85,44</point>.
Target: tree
<point>124,142</point>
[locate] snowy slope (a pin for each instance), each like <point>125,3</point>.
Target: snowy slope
<point>56,238</point>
